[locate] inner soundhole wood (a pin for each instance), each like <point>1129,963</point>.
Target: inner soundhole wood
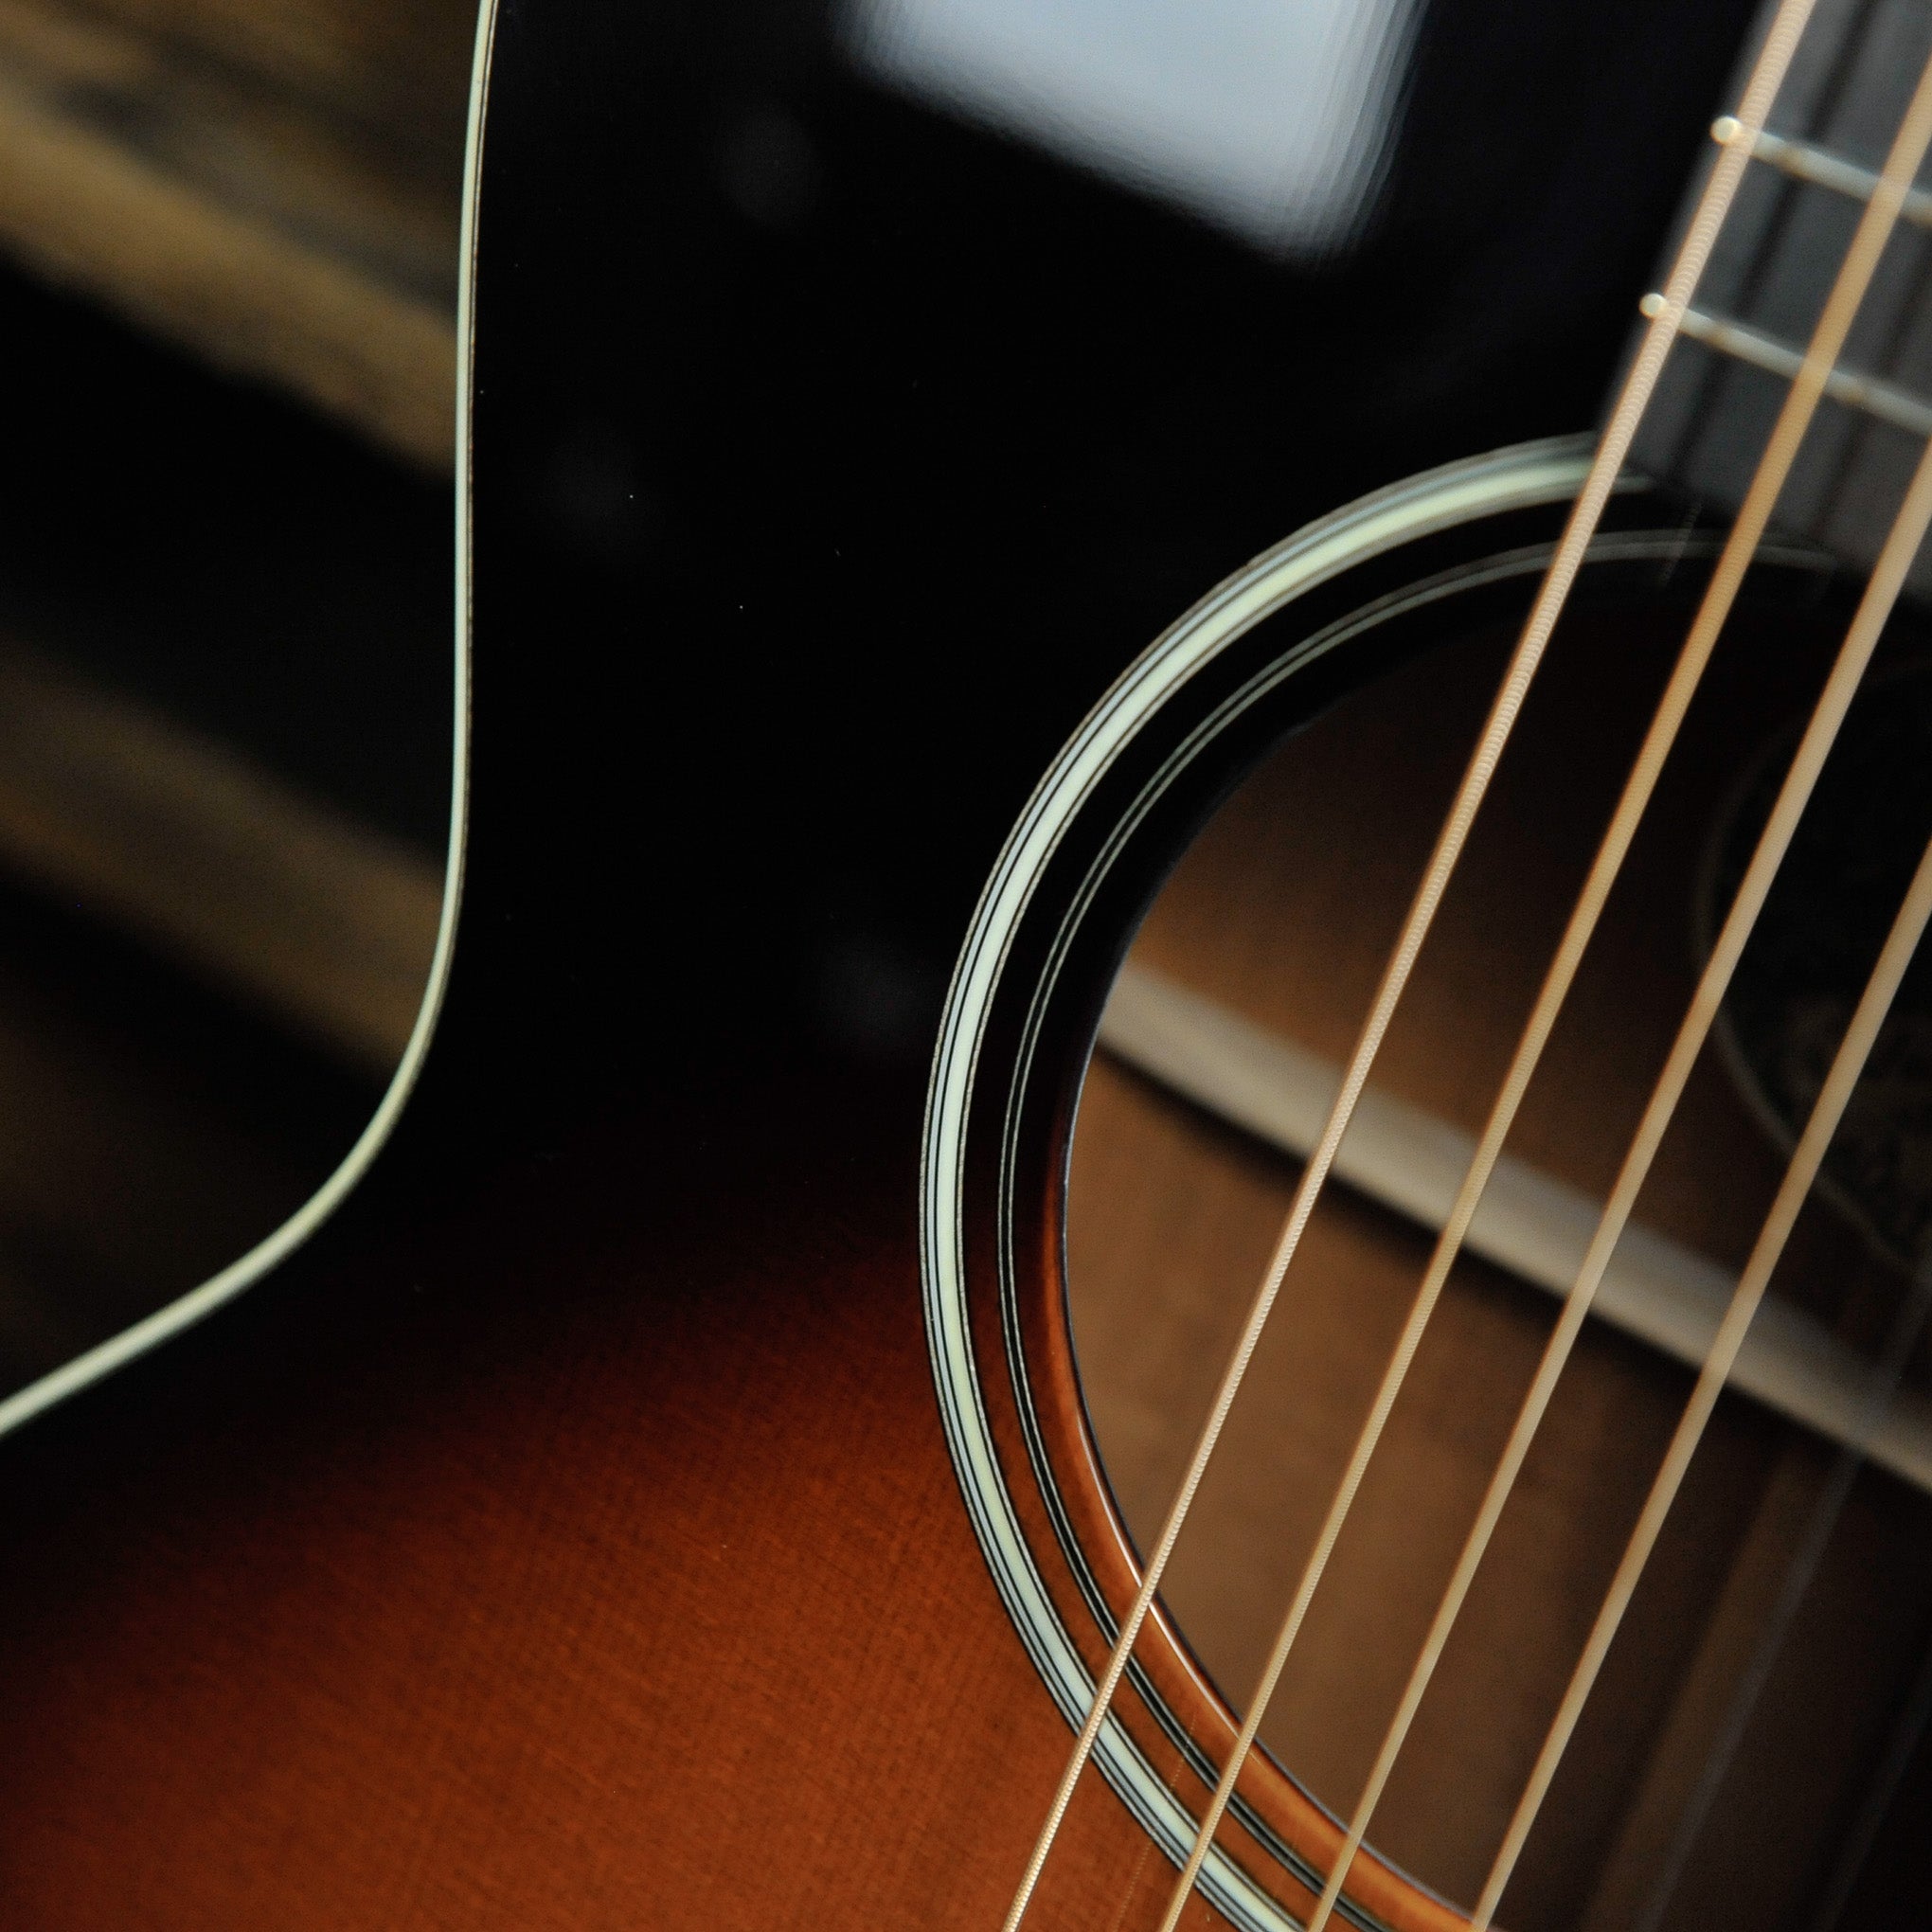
<point>1282,912</point>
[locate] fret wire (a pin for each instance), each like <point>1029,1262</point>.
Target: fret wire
<point>1822,111</point>
<point>1842,306</point>
<point>1780,41</point>
<point>1807,161</point>
<point>1847,1065</point>
<point>1774,57</point>
<point>1871,395</point>
<point>1831,97</point>
<point>1856,447</point>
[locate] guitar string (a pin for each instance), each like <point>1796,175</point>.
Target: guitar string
<point>1882,1387</point>
<point>1902,163</point>
<point>1883,359</point>
<point>1680,287</point>
<point>1556,985</point>
<point>1717,372</point>
<point>1846,1067</point>
<point>1807,1555</point>
<point>1662,1105</point>
<point>1605,868</point>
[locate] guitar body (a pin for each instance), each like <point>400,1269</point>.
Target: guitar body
<point>570,1536</point>
<point>664,1596</point>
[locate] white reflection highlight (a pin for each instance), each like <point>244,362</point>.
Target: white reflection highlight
<point>1270,117</point>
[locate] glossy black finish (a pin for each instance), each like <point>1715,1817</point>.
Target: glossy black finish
<point>833,456</point>
<point>830,456</point>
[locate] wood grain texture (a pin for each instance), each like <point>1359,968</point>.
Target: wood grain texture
<point>294,220</point>
<point>624,1582</point>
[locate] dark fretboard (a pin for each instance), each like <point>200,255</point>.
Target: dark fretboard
<point>1812,176</point>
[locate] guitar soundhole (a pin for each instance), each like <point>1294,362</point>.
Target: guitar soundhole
<point>1820,927</point>
<point>1682,1799</point>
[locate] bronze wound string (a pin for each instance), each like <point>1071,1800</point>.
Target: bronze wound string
<point>1835,700</point>
<point>1828,339</point>
<point>1846,1067</point>
<point>1773,60</point>
<point>1901,165</point>
<point>1769,71</point>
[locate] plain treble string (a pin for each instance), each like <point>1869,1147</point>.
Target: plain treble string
<point>1821,731</point>
<point>1846,1067</point>
<point>1680,287</point>
<point>1895,560</point>
<point>1671,710</point>
<point>1861,259</point>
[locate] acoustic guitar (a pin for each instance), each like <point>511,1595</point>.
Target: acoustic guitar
<point>1276,1277</point>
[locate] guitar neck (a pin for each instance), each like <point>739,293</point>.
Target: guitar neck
<point>1815,168</point>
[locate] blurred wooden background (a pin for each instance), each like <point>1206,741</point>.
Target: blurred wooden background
<point>228,245</point>
<point>271,183</point>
